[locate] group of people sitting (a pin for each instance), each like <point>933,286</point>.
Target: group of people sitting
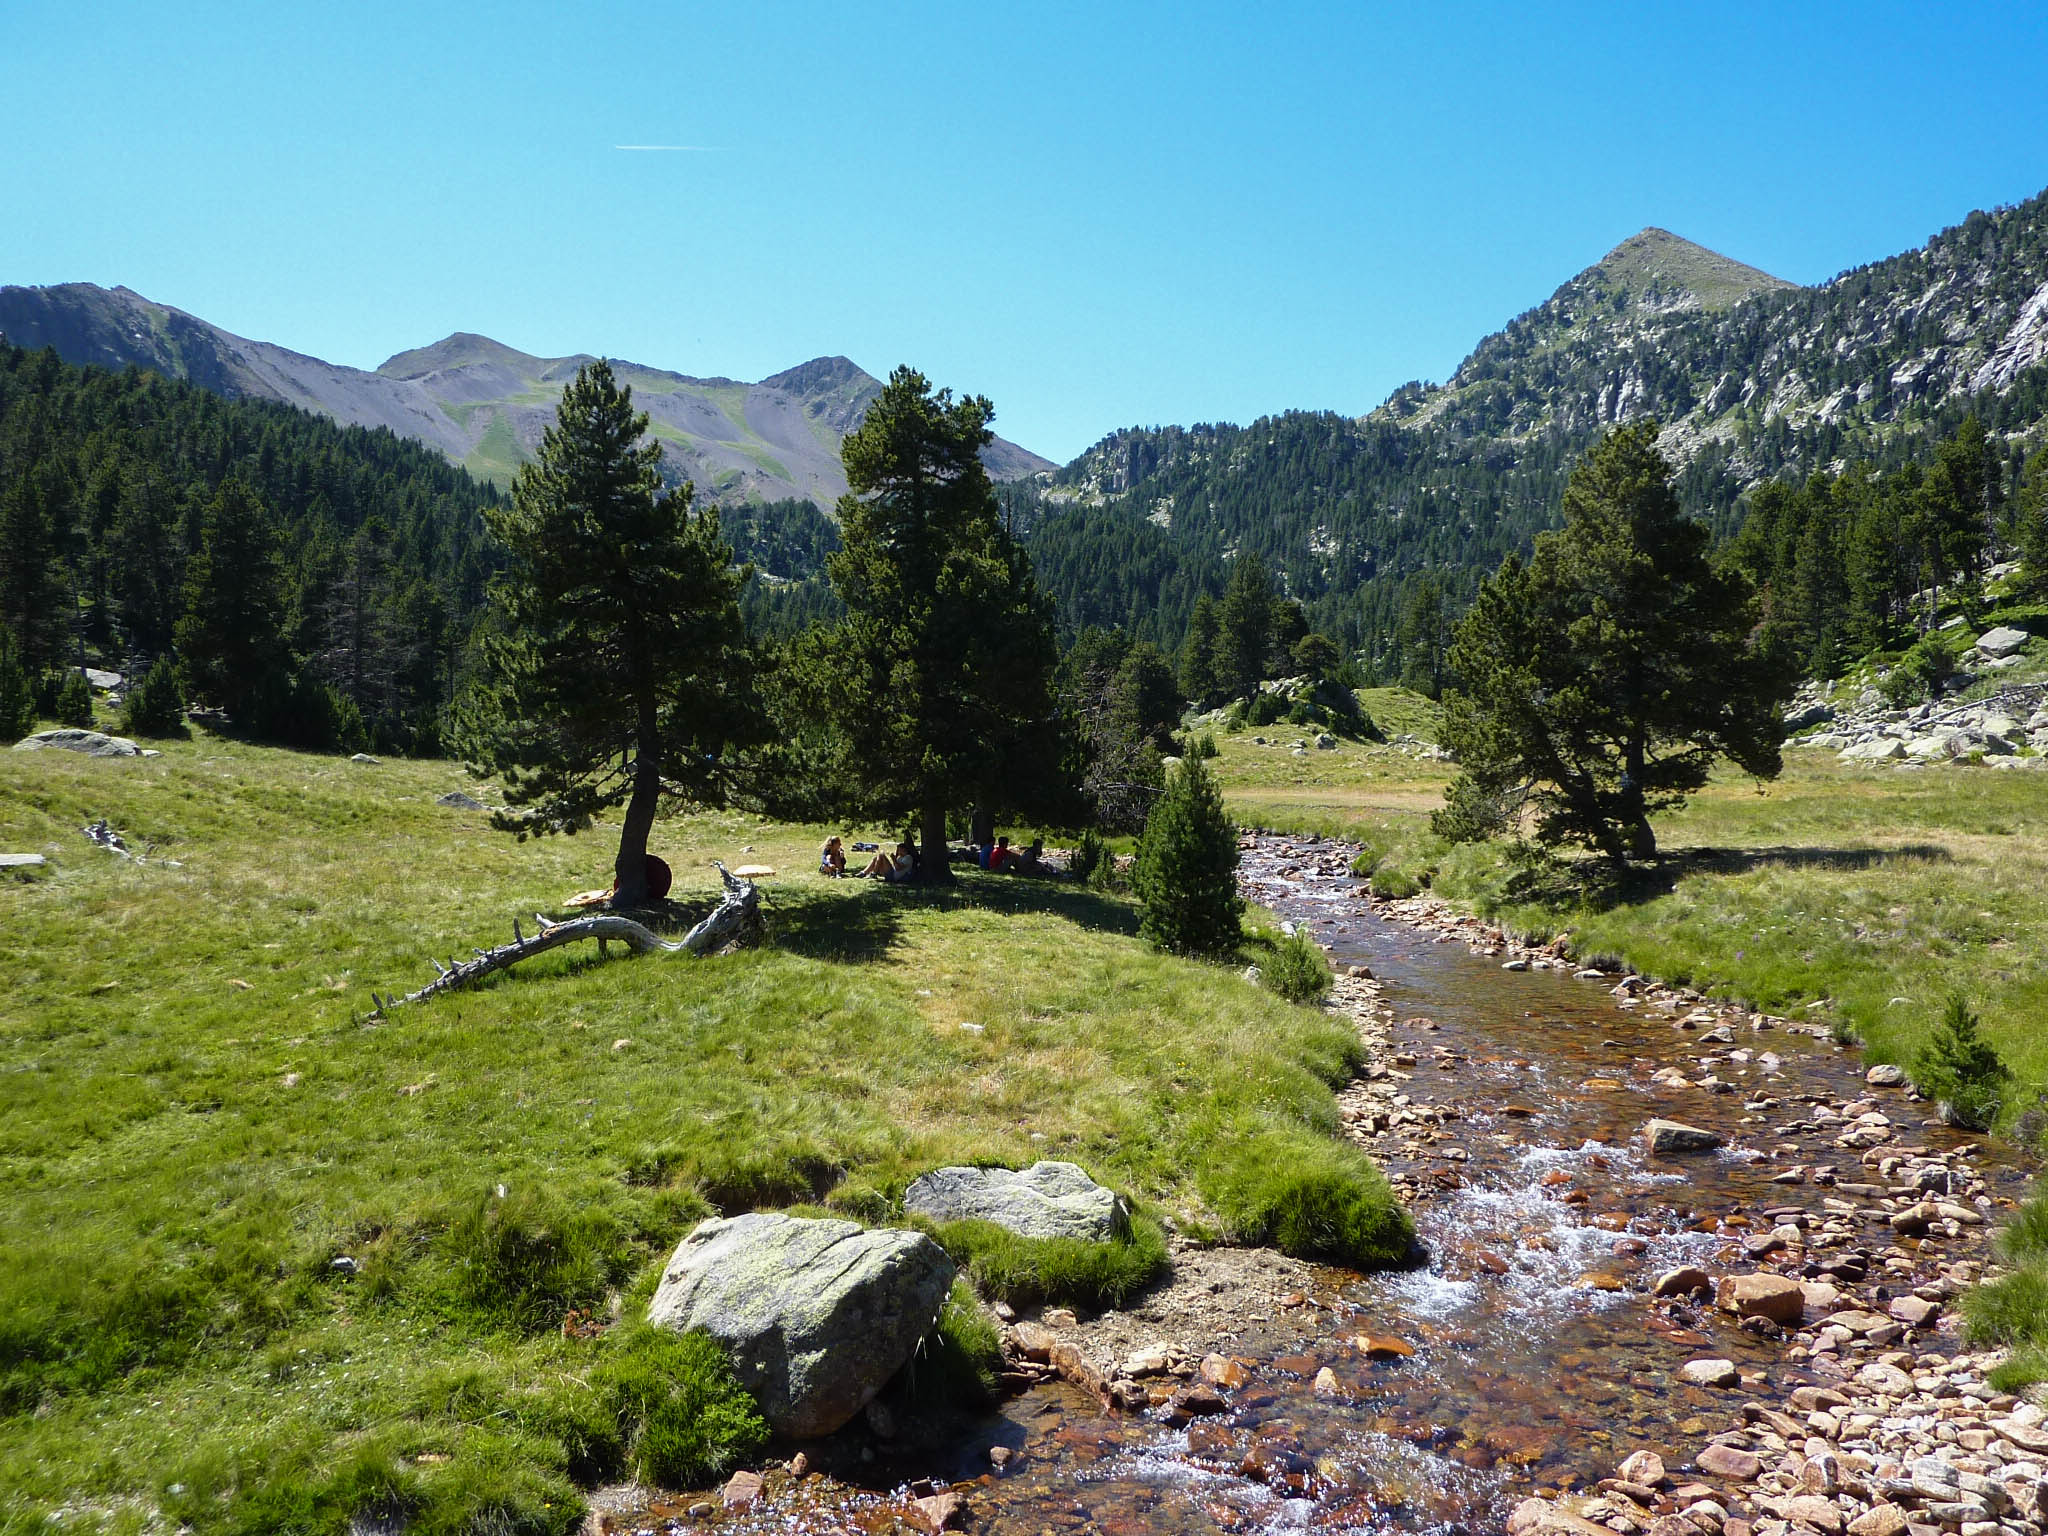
<point>898,867</point>
<point>904,864</point>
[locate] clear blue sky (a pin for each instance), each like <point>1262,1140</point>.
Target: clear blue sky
<point>1098,215</point>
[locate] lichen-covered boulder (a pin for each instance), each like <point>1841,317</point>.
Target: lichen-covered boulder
<point>816,1315</point>
<point>1047,1199</point>
<point>72,739</point>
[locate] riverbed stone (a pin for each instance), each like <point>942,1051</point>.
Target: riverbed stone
<point>1709,1373</point>
<point>817,1315</point>
<point>1885,1075</point>
<point>1048,1199</point>
<point>1686,1280</point>
<point>72,739</point>
<point>1729,1461</point>
<point>1668,1137</point>
<point>1777,1297</point>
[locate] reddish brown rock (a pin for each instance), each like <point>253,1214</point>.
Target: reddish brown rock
<point>1727,1461</point>
<point>740,1490</point>
<point>1762,1295</point>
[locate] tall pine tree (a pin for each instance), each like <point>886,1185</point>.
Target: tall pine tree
<point>943,664</point>
<point>618,669</point>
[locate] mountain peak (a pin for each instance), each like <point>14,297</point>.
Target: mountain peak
<point>1656,265</point>
<point>457,350</point>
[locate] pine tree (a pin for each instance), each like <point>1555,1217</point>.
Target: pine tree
<point>1198,653</point>
<point>1186,875</point>
<point>231,635</point>
<point>1244,628</point>
<point>156,705</point>
<point>618,669</point>
<point>1603,679</point>
<point>942,668</point>
<point>17,691</point>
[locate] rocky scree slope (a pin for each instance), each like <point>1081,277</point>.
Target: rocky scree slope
<point>485,404</point>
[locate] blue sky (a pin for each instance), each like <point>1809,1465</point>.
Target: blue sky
<point>1097,215</point>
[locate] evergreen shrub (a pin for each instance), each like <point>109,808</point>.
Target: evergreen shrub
<point>74,700</point>
<point>1961,1070</point>
<point>156,705</point>
<point>1186,876</point>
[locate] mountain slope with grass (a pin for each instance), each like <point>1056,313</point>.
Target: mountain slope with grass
<point>485,404</point>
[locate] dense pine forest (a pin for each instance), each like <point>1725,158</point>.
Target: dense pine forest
<point>138,514</point>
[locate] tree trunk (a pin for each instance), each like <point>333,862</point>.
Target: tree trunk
<point>937,870</point>
<point>1638,841</point>
<point>630,868</point>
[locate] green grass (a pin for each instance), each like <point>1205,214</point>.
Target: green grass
<point>1072,1271</point>
<point>1836,893</point>
<point>196,1121</point>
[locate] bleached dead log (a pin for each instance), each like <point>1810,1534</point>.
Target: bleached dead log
<point>736,918</point>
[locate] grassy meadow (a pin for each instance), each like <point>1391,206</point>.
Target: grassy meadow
<point>1851,894</point>
<point>197,1121</point>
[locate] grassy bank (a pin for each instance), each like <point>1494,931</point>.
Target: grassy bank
<point>1842,893</point>
<point>196,1123</point>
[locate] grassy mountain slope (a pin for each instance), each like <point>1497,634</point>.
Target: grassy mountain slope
<point>485,404</point>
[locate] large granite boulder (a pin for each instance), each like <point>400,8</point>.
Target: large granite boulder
<point>2002,641</point>
<point>816,1315</point>
<point>1045,1200</point>
<point>72,739</point>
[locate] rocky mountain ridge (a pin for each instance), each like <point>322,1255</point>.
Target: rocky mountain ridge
<point>1752,377</point>
<point>485,404</point>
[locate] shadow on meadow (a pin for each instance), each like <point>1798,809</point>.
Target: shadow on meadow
<point>1594,885</point>
<point>864,923</point>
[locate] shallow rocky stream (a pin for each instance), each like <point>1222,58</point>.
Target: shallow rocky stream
<point>1527,1354</point>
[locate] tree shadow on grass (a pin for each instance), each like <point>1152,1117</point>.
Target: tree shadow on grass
<point>1596,885</point>
<point>865,925</point>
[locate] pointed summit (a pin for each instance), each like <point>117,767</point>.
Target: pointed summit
<point>1667,271</point>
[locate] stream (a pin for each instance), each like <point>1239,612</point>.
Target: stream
<point>1508,1110</point>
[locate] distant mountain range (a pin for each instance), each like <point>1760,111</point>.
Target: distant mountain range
<point>1752,377</point>
<point>484,404</point>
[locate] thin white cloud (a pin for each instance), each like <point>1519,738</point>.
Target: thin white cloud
<point>693,149</point>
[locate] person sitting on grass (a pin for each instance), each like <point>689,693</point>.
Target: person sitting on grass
<point>1000,857</point>
<point>832,858</point>
<point>880,865</point>
<point>904,868</point>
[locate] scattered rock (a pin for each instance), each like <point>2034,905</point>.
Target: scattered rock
<point>1048,1199</point>
<point>1668,1137</point>
<point>1690,1280</point>
<point>939,1512</point>
<point>1728,1461</point>
<point>1709,1373</point>
<point>740,1490</point>
<point>2002,641</point>
<point>1776,1297</point>
<point>71,739</point>
<point>456,800</point>
<point>22,861</point>
<point>816,1314</point>
<point>365,759</point>
<point>1885,1075</point>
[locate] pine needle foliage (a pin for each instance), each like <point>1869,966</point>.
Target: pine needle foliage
<point>1960,1069</point>
<point>1600,682</point>
<point>618,667</point>
<point>1186,875</point>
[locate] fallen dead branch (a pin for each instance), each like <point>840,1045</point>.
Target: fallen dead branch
<point>736,919</point>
